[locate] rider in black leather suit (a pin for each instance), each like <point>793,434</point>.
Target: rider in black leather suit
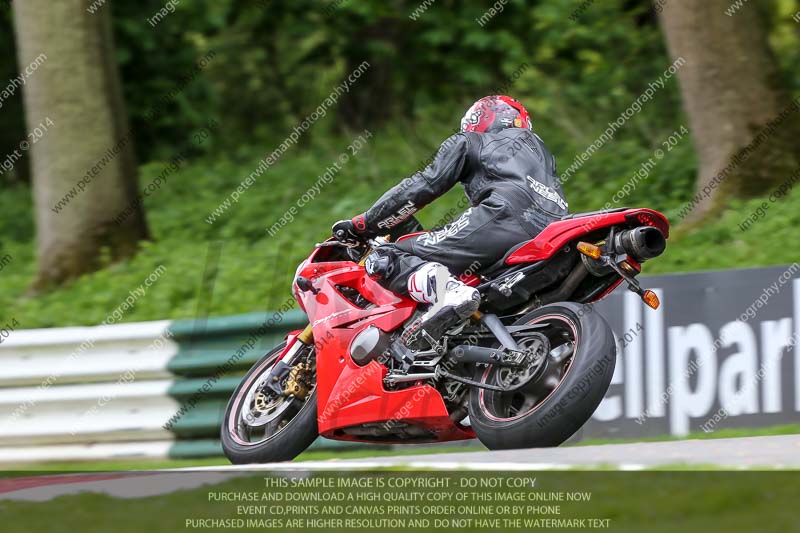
<point>510,178</point>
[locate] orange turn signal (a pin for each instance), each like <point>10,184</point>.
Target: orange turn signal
<point>651,299</point>
<point>589,250</point>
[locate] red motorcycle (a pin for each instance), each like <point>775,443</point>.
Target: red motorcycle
<point>526,370</point>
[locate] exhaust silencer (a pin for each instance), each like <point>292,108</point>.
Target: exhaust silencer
<point>642,243</point>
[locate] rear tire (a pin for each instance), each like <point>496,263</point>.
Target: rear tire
<point>568,406</point>
<point>289,441</point>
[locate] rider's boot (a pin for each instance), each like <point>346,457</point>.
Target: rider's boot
<point>451,302</point>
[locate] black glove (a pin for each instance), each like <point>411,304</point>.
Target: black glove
<point>346,232</point>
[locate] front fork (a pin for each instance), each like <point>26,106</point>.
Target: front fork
<point>306,336</point>
<point>282,367</point>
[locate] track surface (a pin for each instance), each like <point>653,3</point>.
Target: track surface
<point>780,451</point>
<point>751,452</point>
<point>775,451</point>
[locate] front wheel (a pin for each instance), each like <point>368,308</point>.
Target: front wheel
<point>558,392</point>
<point>264,426</point>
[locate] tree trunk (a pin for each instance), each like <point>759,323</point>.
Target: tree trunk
<point>83,167</point>
<point>734,95</point>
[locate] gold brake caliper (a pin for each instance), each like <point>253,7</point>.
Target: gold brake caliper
<point>298,382</point>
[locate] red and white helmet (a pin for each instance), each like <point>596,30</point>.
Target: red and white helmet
<point>491,114</point>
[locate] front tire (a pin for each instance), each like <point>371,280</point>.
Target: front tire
<point>559,401</point>
<point>282,441</point>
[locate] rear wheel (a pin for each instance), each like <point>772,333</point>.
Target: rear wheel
<point>263,426</point>
<point>558,392</point>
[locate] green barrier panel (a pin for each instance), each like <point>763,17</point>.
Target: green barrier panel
<point>186,388</point>
<point>204,346</point>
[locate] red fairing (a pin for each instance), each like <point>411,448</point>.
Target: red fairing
<point>350,395</point>
<point>560,233</point>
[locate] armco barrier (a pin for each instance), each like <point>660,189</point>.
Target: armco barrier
<point>720,352</point>
<point>110,391</point>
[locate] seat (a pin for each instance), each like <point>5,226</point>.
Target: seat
<point>502,262</point>
<point>554,228</point>
<point>593,213</point>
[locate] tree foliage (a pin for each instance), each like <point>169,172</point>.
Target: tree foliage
<point>274,62</point>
